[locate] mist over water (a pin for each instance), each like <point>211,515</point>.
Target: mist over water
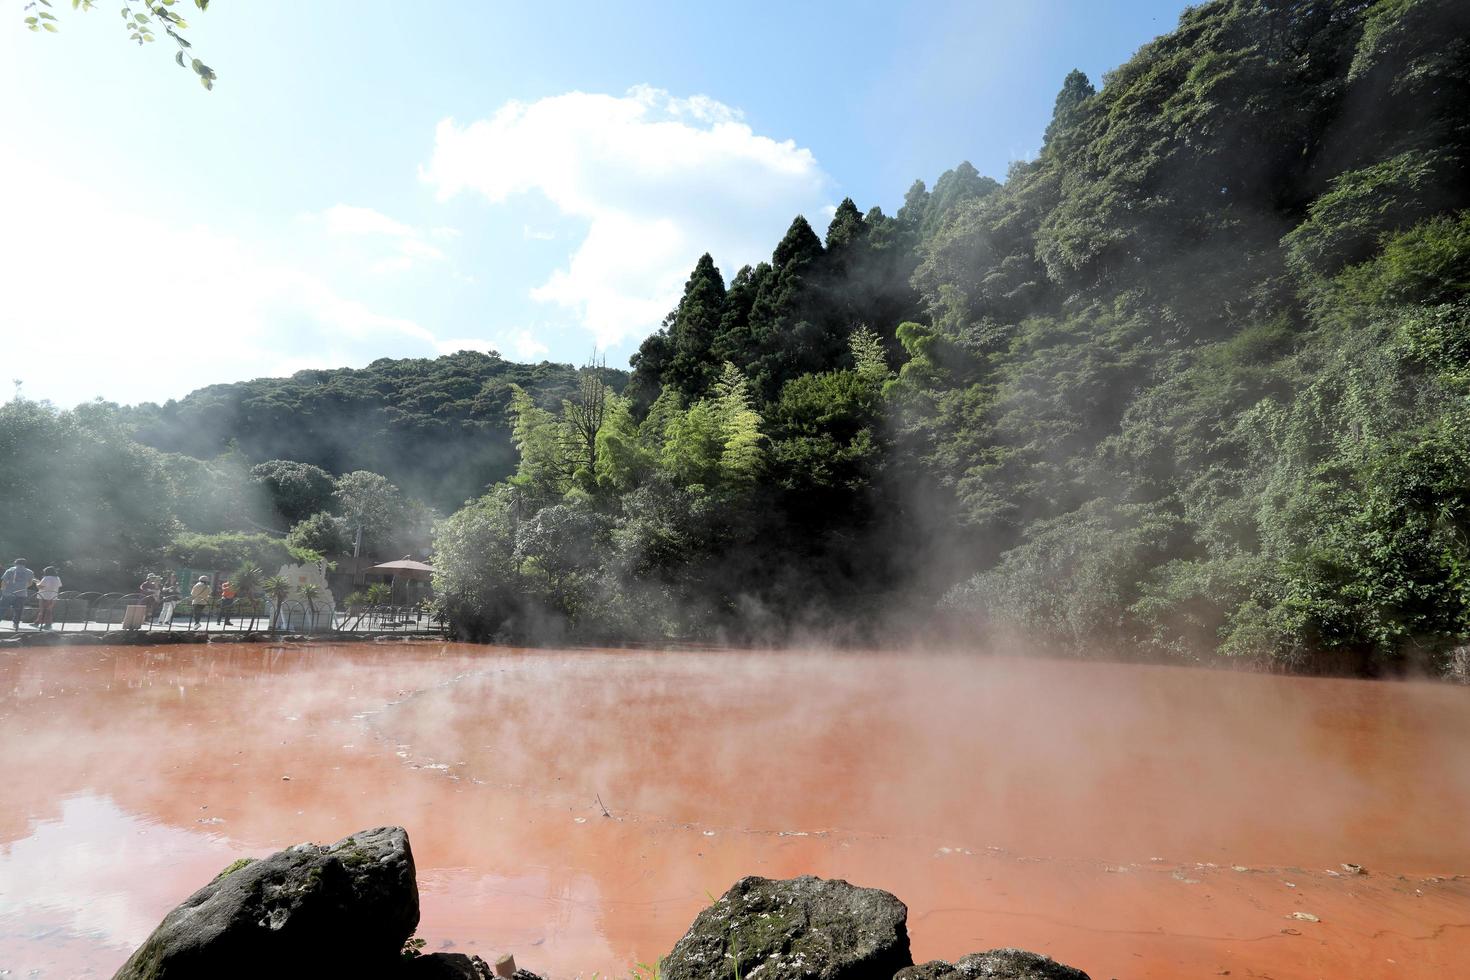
<point>1134,821</point>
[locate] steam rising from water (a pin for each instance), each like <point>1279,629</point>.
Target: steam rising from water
<point>1094,811</point>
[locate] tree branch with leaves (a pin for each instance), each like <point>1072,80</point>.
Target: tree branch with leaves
<point>142,20</point>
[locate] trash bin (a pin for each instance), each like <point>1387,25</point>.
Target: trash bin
<point>133,617</point>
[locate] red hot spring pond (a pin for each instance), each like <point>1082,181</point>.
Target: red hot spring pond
<point>1133,821</point>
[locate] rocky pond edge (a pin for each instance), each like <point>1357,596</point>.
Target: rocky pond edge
<point>350,909</point>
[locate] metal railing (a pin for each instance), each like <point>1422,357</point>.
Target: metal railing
<point>103,612</point>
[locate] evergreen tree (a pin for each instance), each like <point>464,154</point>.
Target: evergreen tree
<point>915,207</point>
<point>695,325</point>
<point>847,226</point>
<point>1066,116</point>
<point>952,189</point>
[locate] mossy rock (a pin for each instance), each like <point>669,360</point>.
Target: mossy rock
<point>800,929</point>
<point>994,964</point>
<point>307,911</point>
<point>234,866</point>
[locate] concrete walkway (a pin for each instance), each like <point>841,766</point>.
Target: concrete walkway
<point>261,624</point>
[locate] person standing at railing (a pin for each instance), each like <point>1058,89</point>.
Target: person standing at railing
<point>169,596</point>
<point>48,590</point>
<point>150,590</point>
<point>14,585</point>
<point>199,600</point>
<point>226,602</point>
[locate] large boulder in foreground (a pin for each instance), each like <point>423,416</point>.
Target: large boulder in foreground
<point>306,911</point>
<point>799,929</point>
<point>994,964</point>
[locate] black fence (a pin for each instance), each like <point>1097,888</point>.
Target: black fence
<point>102,612</point>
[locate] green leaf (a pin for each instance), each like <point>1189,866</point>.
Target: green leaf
<point>46,16</point>
<point>179,57</point>
<point>205,81</point>
<point>31,20</point>
<point>141,18</point>
<point>50,27</point>
<point>75,4</point>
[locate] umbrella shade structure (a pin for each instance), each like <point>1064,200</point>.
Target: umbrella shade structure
<point>404,568</point>
<point>408,579</point>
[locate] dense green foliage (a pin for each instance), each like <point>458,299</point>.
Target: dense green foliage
<point>267,471</point>
<point>84,496</point>
<point>436,428</point>
<point>1193,382</point>
<point>234,550</point>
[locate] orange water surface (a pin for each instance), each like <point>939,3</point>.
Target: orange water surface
<point>1132,821</point>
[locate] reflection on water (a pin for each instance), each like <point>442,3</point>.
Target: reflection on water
<point>93,876</point>
<point>1135,821</point>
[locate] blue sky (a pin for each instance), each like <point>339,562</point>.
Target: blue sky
<point>372,178</point>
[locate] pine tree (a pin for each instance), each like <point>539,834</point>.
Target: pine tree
<point>847,226</point>
<point>915,206</point>
<point>953,188</point>
<point>696,322</point>
<point>798,248</point>
<point>1067,113</point>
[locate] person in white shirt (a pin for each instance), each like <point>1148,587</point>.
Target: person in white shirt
<point>48,590</point>
<point>199,602</point>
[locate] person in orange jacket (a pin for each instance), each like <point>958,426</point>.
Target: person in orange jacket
<point>226,601</point>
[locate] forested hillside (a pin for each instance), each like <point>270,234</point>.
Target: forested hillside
<point>438,428</point>
<point>259,472</point>
<point>1191,383</point>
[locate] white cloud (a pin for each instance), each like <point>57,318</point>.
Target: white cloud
<point>523,344</point>
<point>658,179</point>
<point>344,219</point>
<point>97,871</point>
<point>105,301</point>
<point>520,344</point>
<point>409,245</point>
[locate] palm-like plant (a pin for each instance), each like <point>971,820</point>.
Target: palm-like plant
<point>310,593</point>
<point>246,580</point>
<point>278,587</point>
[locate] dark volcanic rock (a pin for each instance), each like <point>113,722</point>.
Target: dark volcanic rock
<point>306,911</point>
<point>43,638</point>
<point>453,966</point>
<point>994,964</point>
<point>800,929</point>
<point>447,966</point>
